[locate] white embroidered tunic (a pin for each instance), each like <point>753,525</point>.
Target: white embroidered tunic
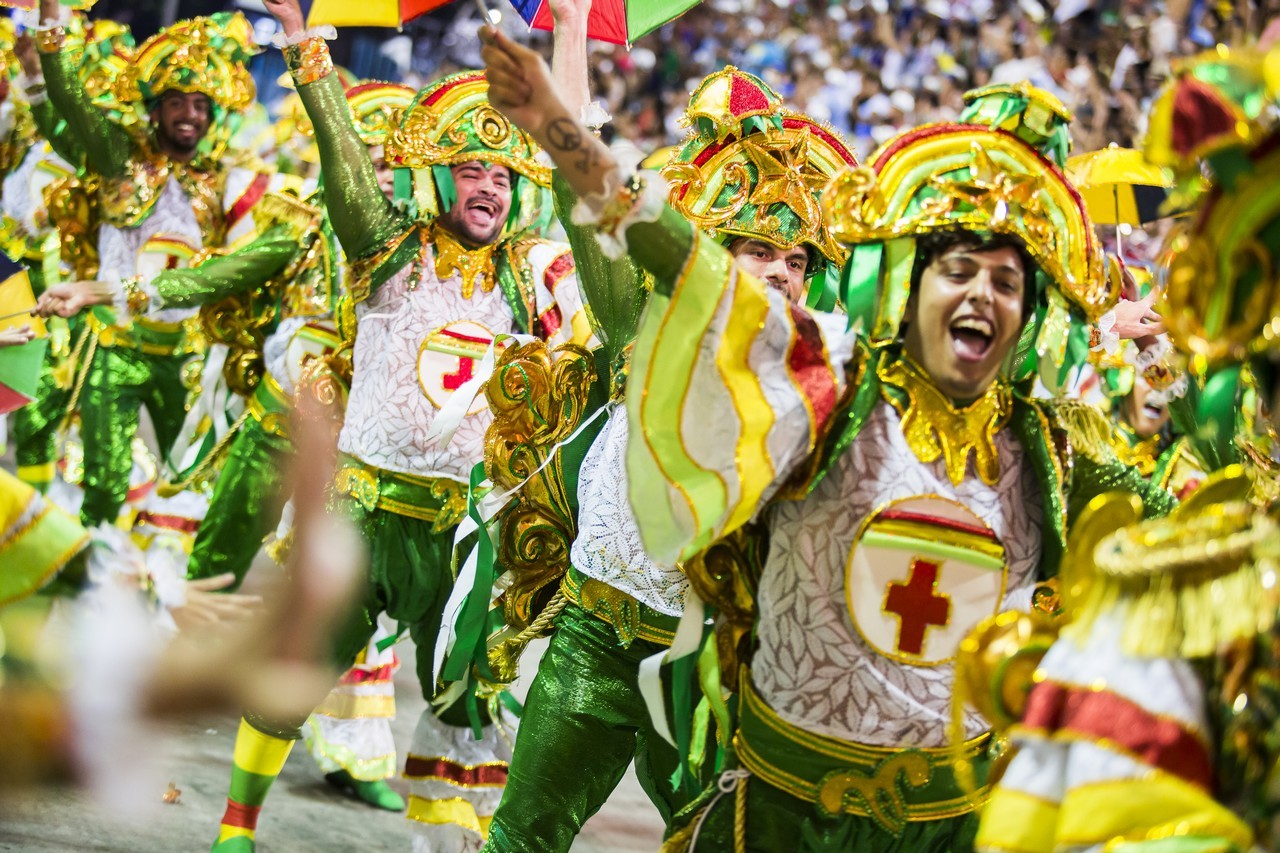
<point>608,547</point>
<point>830,659</point>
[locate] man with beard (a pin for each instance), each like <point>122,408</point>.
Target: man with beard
<point>435,280</point>
<point>163,198</point>
<point>298,260</point>
<point>908,484</point>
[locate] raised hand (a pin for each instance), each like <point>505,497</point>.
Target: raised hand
<point>1136,319</point>
<point>520,83</point>
<point>288,13</point>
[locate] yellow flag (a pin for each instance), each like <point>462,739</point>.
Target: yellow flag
<point>16,300</point>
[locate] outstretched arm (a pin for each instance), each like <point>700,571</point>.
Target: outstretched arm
<point>106,144</point>
<point>363,218</point>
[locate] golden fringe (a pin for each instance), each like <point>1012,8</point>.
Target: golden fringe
<point>1090,433</point>
<point>1187,585</point>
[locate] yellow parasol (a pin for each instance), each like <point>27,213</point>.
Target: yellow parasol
<point>1120,187</point>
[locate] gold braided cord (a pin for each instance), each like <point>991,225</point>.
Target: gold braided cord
<point>504,658</point>
<point>740,816</point>
<point>88,341</point>
<point>166,490</point>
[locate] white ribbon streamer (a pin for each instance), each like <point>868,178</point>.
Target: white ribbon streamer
<point>687,641</point>
<point>488,508</point>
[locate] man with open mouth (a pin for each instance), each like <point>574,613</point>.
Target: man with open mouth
<point>437,277</point>
<point>908,484</point>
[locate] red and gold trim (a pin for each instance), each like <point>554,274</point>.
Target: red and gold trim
<point>1105,717</point>
<point>488,775</point>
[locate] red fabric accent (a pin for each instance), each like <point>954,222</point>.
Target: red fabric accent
<point>416,767</point>
<point>745,96</point>
<point>168,522</point>
<point>238,814</point>
<point>831,139</point>
<point>257,189</point>
<point>551,321</point>
<point>367,676</point>
<point>917,606</point>
<point>558,270</point>
<point>808,366</point>
<point>1189,487</point>
<point>459,336</point>
<point>938,521</point>
<point>1100,715</point>
<point>1199,115</point>
<point>454,381</point>
<point>11,400</point>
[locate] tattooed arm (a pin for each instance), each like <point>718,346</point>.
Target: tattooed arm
<point>521,86</point>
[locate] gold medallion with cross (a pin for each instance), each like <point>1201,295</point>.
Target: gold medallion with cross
<point>923,571</point>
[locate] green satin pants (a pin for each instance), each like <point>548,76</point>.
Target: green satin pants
<point>584,720</point>
<point>247,499</point>
<point>119,383</point>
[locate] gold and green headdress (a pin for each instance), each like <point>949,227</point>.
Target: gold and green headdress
<point>206,55</point>
<point>452,122</point>
<point>376,108</point>
<point>751,168</point>
<point>987,180</point>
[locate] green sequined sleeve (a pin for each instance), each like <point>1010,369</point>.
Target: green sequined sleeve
<point>58,133</point>
<point>244,269</point>
<point>662,248</point>
<point>363,217</point>
<point>614,290</point>
<point>106,145</point>
<point>1090,478</point>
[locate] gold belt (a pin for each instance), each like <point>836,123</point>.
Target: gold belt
<point>435,499</point>
<point>891,785</point>
<point>629,617</point>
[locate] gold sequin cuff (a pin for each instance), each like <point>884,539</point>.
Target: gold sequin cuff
<point>308,61</point>
<point>50,40</point>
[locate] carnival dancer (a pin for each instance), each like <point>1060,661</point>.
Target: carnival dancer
<point>908,488</point>
<point>432,293</point>
<point>163,197</point>
<point>1150,721</point>
<point>292,273</point>
<point>585,717</point>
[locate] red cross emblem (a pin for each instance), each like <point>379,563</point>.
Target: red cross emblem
<point>917,605</point>
<point>447,361</point>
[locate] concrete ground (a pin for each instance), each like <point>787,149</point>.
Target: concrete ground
<point>302,814</point>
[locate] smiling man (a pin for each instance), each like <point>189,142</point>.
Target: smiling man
<point>908,486</point>
<point>436,277</point>
<point>163,198</point>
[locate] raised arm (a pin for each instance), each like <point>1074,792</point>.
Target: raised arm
<point>106,145</point>
<point>364,220</point>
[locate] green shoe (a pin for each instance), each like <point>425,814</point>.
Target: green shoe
<point>239,844</point>
<point>377,794</point>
